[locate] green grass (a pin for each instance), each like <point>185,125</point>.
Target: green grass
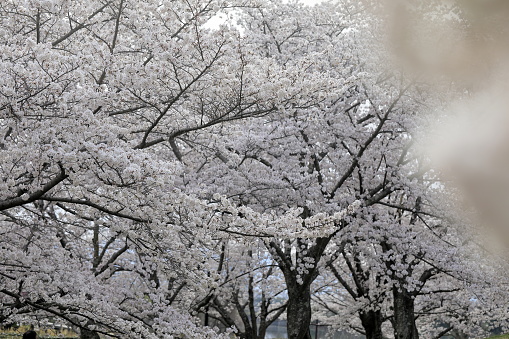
<point>503,336</point>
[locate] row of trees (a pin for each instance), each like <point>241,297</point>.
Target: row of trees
<point>154,168</point>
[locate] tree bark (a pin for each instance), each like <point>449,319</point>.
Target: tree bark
<point>298,314</point>
<point>372,324</point>
<point>404,315</point>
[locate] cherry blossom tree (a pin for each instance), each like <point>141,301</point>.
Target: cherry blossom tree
<point>345,146</point>
<point>94,96</point>
<point>429,275</point>
<point>154,168</point>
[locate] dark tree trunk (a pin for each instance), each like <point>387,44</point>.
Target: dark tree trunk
<point>404,315</point>
<point>261,333</point>
<point>262,327</point>
<point>87,334</point>
<point>372,324</point>
<point>248,335</point>
<point>298,312</point>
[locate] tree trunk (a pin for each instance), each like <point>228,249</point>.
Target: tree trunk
<point>298,314</point>
<point>372,324</point>
<point>262,328</point>
<point>298,309</point>
<point>404,315</point>
<point>262,333</point>
<point>247,335</point>
<point>87,334</point>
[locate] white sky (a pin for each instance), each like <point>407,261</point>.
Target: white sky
<point>218,20</point>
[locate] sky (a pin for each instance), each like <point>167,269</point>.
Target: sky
<point>219,19</point>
